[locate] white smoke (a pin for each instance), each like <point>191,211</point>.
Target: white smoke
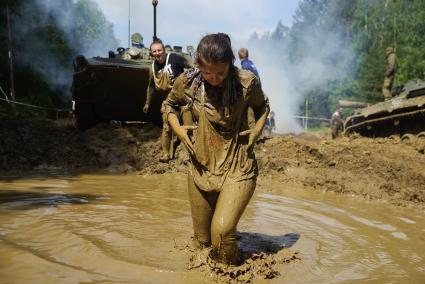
<point>40,46</point>
<point>325,58</point>
<point>277,82</point>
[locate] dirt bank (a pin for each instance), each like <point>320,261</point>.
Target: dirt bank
<point>384,168</point>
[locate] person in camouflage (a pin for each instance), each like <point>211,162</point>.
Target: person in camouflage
<point>137,49</point>
<point>223,169</point>
<point>337,123</point>
<point>390,68</point>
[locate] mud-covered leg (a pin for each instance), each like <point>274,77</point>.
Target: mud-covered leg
<point>231,203</point>
<point>166,145</point>
<point>166,140</point>
<point>202,205</point>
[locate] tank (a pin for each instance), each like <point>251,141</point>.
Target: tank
<point>106,89</point>
<point>403,115</point>
<point>114,88</point>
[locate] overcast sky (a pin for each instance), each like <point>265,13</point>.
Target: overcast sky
<point>184,22</point>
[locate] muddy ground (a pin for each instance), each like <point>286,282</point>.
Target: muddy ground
<point>385,169</point>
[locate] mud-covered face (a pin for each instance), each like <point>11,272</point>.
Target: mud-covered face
<point>158,52</point>
<point>214,73</point>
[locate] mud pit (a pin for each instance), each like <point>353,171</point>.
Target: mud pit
<point>57,228</point>
<point>380,169</point>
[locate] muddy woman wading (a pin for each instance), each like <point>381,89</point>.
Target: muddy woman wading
<point>223,170</point>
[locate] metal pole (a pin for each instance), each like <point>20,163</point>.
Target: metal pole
<point>154,3</point>
<point>12,80</point>
<point>129,23</point>
<point>306,114</point>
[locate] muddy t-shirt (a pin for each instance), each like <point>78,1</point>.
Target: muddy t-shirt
<point>175,66</point>
<point>220,153</point>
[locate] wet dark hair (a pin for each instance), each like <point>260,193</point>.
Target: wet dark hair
<point>215,48</point>
<point>155,42</point>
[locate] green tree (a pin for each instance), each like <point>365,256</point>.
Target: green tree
<point>46,37</point>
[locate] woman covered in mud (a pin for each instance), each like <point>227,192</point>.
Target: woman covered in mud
<point>223,170</point>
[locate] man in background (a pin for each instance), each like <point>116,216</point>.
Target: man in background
<point>165,69</point>
<point>246,63</point>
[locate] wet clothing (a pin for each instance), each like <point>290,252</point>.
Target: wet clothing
<point>164,74</point>
<point>221,114</point>
<point>162,80</point>
<point>390,68</point>
<point>249,65</point>
<point>337,124</point>
<point>223,171</point>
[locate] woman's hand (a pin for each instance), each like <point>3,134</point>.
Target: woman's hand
<point>254,134</point>
<point>146,108</point>
<point>181,133</point>
<point>253,137</point>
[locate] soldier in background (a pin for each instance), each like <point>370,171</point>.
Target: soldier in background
<point>137,49</point>
<point>337,123</point>
<point>390,67</point>
<point>137,40</point>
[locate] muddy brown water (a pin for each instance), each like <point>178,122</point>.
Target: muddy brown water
<point>125,229</point>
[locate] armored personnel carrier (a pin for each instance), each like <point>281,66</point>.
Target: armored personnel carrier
<point>114,88</point>
<point>403,115</point>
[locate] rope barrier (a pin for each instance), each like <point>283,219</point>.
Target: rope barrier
<point>34,106</point>
<point>312,118</point>
<point>5,95</point>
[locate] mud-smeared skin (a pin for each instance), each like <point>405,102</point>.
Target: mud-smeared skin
<point>382,168</point>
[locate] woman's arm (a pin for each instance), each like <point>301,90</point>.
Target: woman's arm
<point>180,132</point>
<point>259,103</point>
<point>172,108</point>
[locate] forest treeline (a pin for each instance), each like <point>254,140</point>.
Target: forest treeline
<point>348,37</point>
<point>45,37</point>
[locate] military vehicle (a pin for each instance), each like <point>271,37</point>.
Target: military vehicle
<point>114,88</point>
<point>403,115</point>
